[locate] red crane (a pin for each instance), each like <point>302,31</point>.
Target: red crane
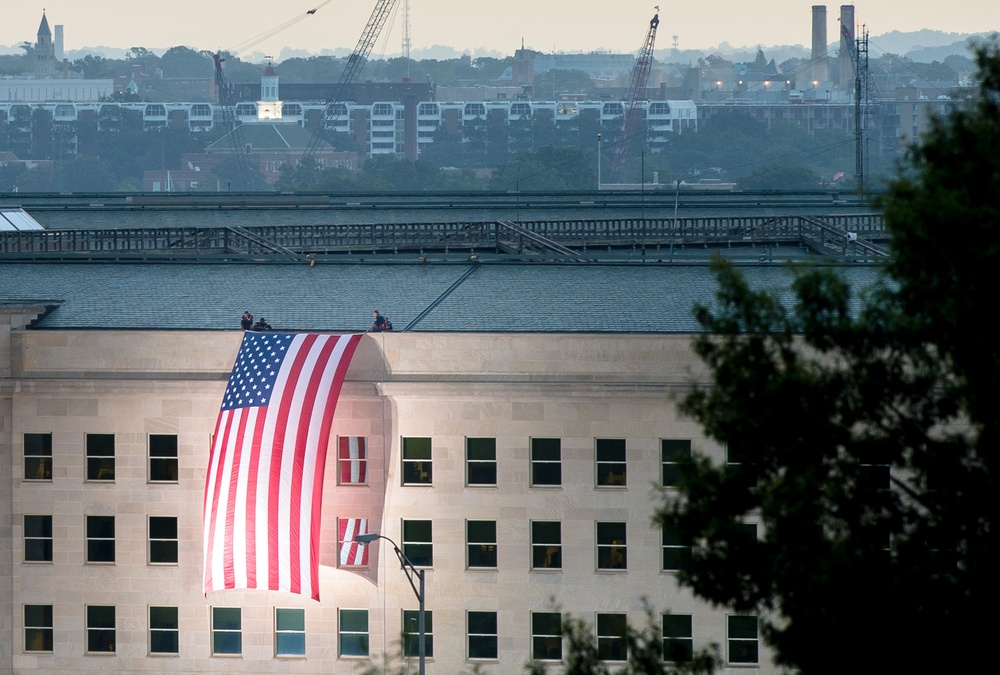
<point>636,94</point>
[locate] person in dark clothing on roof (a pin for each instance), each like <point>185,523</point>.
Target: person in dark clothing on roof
<point>247,321</point>
<point>378,325</point>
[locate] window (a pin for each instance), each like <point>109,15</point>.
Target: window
<point>411,633</point>
<point>352,554</point>
<point>354,632</point>
<point>38,539</point>
<point>481,539</point>
<point>353,460</point>
<point>482,632</point>
<point>546,545</point>
<point>38,628</point>
<point>611,462</point>
<point>163,458</point>
<point>227,631</point>
<point>100,629</point>
<point>546,636</point>
<point>163,539</point>
<point>675,552</point>
<point>163,632</point>
<point>38,456</point>
<point>100,539</point>
<point>416,461</point>
<point>100,456</point>
<point>417,542</point>
<point>742,640</point>
<point>678,644</point>
<point>546,466</point>
<point>481,461</point>
<point>611,551</point>
<point>672,453</point>
<point>612,637</point>
<point>289,632</point>
<point>740,465</point>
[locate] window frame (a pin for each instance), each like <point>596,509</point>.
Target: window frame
<point>474,465</point>
<point>364,648</point>
<point>45,518</point>
<point>344,459</point>
<point>166,460</point>
<point>538,464</point>
<point>218,633</point>
<point>96,540</point>
<point>290,633</point>
<point>740,640</point>
<point>606,642</point>
<point>411,546</point>
<point>156,628</point>
<point>152,543</point>
<point>484,544</point>
<point>41,630</point>
<point>543,548</point>
<point>671,546</point>
<point>97,459</point>
<point>481,638</point>
<point>412,470</point>
<point>669,459</point>
<point>96,631</point>
<point>538,638</point>
<point>40,459</point>
<point>414,614</point>
<point>612,446</point>
<point>674,640</point>
<point>606,550</point>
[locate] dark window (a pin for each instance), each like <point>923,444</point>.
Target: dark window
<point>742,639</point>
<point>481,461</point>
<point>290,632</point>
<point>38,456</point>
<point>678,644</point>
<point>417,542</point>
<point>546,636</point>
<point>163,630</point>
<point>546,461</point>
<point>354,632</point>
<point>482,543</point>
<point>672,454</point>
<point>163,539</point>
<point>38,628</point>
<point>163,458</point>
<point>100,456</point>
<point>227,630</point>
<point>101,628</point>
<point>612,637</point>
<point>482,632</point>
<point>611,550</point>
<point>675,551</point>
<point>546,544</point>
<point>417,461</point>
<point>411,633</point>
<point>38,538</point>
<point>100,539</point>
<point>611,465</point>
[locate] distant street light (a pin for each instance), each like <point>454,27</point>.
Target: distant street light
<point>598,162</point>
<point>418,589</point>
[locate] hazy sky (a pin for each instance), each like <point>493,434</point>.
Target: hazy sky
<point>475,26</point>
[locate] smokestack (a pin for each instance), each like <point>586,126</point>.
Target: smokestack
<point>846,46</point>
<point>819,69</point>
<point>59,42</point>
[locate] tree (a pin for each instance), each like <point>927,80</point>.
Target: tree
<point>863,442</point>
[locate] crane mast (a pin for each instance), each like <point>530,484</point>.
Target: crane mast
<point>230,122</point>
<point>355,62</point>
<point>636,92</point>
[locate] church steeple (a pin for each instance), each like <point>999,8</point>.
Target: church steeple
<point>44,33</point>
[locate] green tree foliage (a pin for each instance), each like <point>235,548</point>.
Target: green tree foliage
<point>863,442</point>
<point>549,168</point>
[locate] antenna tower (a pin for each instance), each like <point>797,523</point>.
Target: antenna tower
<point>406,36</point>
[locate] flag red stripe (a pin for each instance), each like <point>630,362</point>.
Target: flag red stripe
<point>210,533</point>
<point>227,555</point>
<point>251,523</point>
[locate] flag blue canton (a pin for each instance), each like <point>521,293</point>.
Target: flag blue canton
<point>256,369</point>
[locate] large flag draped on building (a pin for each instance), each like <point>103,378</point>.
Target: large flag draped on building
<point>263,493</point>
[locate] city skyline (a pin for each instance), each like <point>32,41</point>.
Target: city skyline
<point>555,26</point>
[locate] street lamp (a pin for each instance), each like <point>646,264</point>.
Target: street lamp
<point>598,162</point>
<point>418,588</point>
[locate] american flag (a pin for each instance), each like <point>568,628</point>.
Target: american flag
<point>353,554</point>
<point>264,488</point>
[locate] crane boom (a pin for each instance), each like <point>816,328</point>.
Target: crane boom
<point>633,101</point>
<point>355,62</point>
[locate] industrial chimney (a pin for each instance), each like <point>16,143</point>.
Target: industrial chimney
<point>846,46</point>
<point>819,67</point>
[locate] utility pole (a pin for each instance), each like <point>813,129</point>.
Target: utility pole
<point>860,106</point>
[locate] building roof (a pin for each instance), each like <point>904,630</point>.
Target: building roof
<point>268,137</point>
<point>441,297</point>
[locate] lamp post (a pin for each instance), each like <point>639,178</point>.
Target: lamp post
<point>598,162</point>
<point>418,589</point>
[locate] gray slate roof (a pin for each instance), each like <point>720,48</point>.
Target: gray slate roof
<point>455,297</point>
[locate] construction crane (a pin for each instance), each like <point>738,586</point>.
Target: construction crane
<point>636,94</point>
<point>355,62</point>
